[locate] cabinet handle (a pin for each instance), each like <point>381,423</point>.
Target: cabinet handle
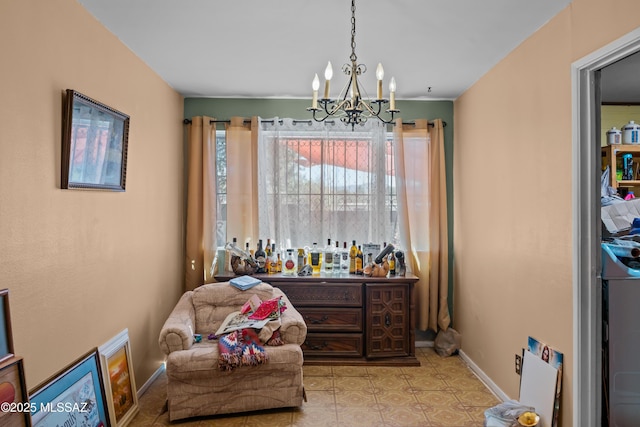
<point>317,321</point>
<point>387,319</point>
<point>317,347</point>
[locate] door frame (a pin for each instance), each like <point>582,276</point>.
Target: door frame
<point>587,285</point>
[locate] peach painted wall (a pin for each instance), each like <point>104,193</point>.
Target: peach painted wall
<point>512,194</point>
<point>83,265</point>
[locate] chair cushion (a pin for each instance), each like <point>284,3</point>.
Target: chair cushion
<point>202,361</point>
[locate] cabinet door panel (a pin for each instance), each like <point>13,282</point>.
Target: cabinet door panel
<point>388,320</point>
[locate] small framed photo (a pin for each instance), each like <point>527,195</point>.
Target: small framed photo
<point>72,397</point>
<point>95,139</point>
<point>6,338</point>
<point>119,382</point>
<point>14,399</point>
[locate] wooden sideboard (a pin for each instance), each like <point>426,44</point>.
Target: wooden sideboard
<point>353,319</point>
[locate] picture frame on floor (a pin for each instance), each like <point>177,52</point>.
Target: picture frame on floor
<point>119,381</point>
<point>73,396</point>
<point>6,337</point>
<point>14,399</point>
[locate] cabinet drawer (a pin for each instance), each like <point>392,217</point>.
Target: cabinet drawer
<point>334,345</point>
<point>323,294</point>
<point>332,319</point>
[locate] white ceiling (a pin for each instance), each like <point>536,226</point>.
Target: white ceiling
<point>272,49</point>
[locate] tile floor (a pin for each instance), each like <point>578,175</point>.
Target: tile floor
<point>440,392</point>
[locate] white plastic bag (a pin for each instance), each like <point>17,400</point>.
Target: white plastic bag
<point>505,414</point>
<point>447,342</point>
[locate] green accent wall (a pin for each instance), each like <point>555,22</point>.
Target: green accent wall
<point>225,108</point>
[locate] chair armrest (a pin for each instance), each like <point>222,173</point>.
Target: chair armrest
<point>177,332</point>
<point>293,329</point>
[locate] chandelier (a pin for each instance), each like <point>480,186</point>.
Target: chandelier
<point>350,106</point>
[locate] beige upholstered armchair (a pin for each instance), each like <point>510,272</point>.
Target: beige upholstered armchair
<point>196,386</point>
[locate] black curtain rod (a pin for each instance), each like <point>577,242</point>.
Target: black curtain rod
<point>188,121</point>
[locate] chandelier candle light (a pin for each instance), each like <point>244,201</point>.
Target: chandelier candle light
<point>352,109</point>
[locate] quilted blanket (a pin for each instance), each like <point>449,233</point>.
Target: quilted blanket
<point>240,348</point>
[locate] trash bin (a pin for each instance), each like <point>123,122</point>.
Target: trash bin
<point>621,337</point>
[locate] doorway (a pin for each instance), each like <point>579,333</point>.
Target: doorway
<point>587,284</point>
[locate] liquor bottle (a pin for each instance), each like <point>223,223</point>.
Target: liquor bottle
<point>273,264</point>
<point>337,258</point>
<point>353,253</point>
<point>260,258</point>
<point>344,262</point>
<point>315,258</point>
<point>289,265</point>
<point>369,261</point>
<point>328,258</point>
<point>227,260</point>
<point>392,264</point>
<point>279,264</point>
<point>267,258</point>
<point>401,268</point>
<point>301,259</point>
<point>359,260</point>
<point>383,254</point>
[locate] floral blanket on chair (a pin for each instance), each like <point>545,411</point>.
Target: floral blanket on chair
<point>240,348</point>
<point>244,347</point>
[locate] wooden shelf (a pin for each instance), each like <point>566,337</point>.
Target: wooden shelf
<point>609,155</point>
<point>629,183</point>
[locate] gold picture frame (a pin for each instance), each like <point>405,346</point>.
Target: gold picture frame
<point>119,381</point>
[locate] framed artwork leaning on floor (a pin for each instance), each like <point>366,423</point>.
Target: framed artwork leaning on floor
<point>119,382</point>
<point>73,396</point>
<point>6,337</point>
<point>14,399</point>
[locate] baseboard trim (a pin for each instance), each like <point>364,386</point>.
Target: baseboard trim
<point>424,344</point>
<point>151,379</point>
<point>484,377</point>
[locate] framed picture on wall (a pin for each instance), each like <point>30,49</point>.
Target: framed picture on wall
<point>119,382</point>
<point>6,337</point>
<point>95,139</point>
<point>14,400</point>
<point>74,396</point>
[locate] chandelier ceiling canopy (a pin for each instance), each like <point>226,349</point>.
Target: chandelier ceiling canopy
<point>350,105</point>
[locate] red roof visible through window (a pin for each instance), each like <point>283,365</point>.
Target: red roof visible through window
<point>355,155</point>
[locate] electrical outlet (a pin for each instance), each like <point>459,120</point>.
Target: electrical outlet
<point>518,364</point>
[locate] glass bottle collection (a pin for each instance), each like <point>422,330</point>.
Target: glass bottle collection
<point>330,260</point>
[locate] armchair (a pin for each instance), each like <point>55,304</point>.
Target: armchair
<point>195,385</point>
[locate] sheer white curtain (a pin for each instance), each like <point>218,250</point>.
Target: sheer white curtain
<point>320,181</point>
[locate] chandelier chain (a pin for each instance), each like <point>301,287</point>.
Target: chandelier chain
<point>353,57</point>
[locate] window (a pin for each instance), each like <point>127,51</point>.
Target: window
<point>221,188</point>
<point>319,182</point>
